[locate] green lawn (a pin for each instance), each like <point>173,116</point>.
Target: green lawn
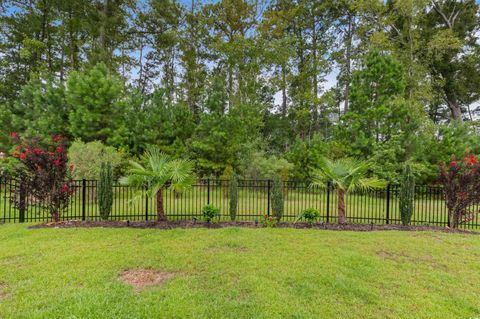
<point>239,273</point>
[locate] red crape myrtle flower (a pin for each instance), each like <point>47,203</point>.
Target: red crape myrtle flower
<point>461,185</point>
<point>56,138</point>
<point>45,172</point>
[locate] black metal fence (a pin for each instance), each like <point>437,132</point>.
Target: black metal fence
<point>254,200</point>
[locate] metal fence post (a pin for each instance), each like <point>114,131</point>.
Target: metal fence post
<point>84,199</point>
<point>208,191</point>
<point>146,204</point>
<point>387,215</point>
<point>268,197</point>
<point>328,202</point>
<point>22,201</point>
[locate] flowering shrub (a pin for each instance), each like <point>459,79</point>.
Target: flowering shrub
<point>461,181</point>
<point>268,221</point>
<point>44,173</point>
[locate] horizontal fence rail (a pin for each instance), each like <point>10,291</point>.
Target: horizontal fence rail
<point>254,200</point>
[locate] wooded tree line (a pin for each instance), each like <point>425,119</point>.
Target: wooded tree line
<point>245,86</point>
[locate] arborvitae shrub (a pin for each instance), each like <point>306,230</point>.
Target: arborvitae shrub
<point>233,190</point>
<point>407,195</point>
<point>105,190</point>
<point>277,199</point>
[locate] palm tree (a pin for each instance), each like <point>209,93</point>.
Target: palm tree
<point>346,175</point>
<point>158,171</point>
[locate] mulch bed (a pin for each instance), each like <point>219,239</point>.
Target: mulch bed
<point>222,224</point>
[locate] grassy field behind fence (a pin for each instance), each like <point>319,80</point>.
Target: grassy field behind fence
<point>253,202</point>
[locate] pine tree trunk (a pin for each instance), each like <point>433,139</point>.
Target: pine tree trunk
<point>103,28</point>
<point>284,90</point>
<point>341,207</point>
<point>161,217</point>
<point>455,109</point>
<point>348,58</point>
<point>451,97</point>
<point>314,110</point>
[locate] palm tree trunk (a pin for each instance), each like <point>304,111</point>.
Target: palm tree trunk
<point>341,207</point>
<point>161,217</point>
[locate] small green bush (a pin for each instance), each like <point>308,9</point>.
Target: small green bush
<point>262,166</point>
<point>9,166</point>
<point>233,197</point>
<point>407,195</point>
<point>310,215</point>
<point>105,190</point>
<point>87,159</point>
<point>210,212</point>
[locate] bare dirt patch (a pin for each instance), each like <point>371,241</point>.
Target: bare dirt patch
<point>222,224</point>
<point>389,255</point>
<point>228,249</point>
<point>143,278</point>
<point>401,257</point>
<point>3,294</point>
<point>11,261</point>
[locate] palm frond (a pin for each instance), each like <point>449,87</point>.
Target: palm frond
<point>155,159</point>
<point>134,180</point>
<point>347,173</point>
<point>329,171</point>
<point>366,184</point>
<point>123,180</point>
<point>135,165</point>
<point>319,179</point>
<point>137,194</point>
<point>158,171</point>
<point>153,189</point>
<point>181,174</point>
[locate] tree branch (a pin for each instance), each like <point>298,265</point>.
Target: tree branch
<point>436,7</point>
